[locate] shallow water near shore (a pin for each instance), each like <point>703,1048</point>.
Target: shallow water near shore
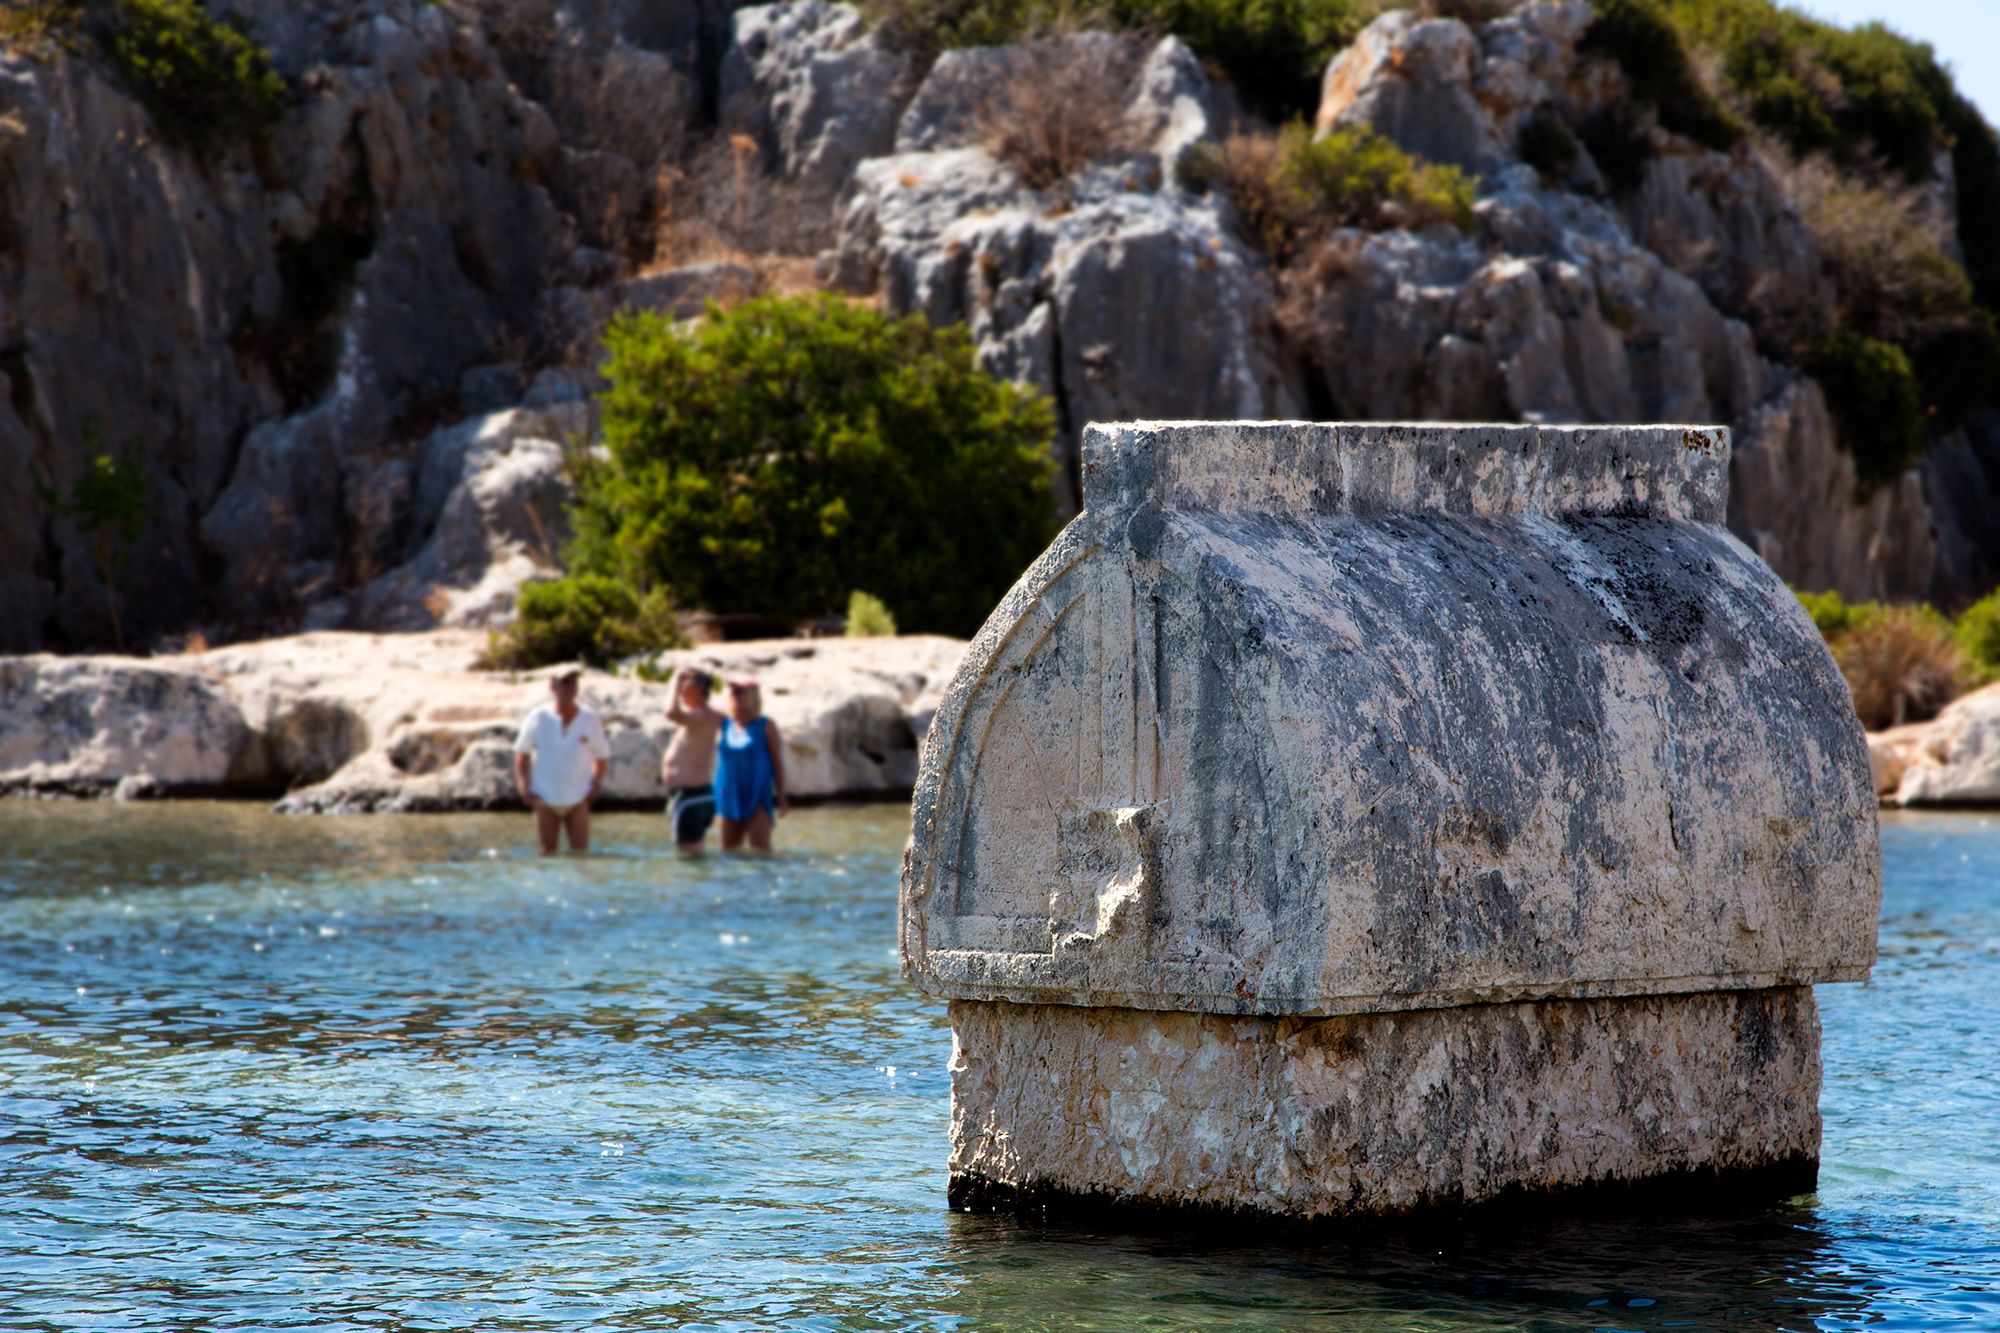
<point>396,1073</point>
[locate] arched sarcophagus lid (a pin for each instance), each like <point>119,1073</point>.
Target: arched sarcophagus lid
<point>1329,719</point>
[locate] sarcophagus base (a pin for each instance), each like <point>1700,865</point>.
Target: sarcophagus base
<point>1063,1108</point>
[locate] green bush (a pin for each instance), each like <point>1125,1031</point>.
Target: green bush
<point>1863,96</point>
<point>868,617</point>
<point>1292,188</point>
<point>1876,401</point>
<point>1274,51</point>
<point>1357,177</point>
<point>204,80</point>
<point>583,618</point>
<point>1834,617</point>
<point>789,450</point>
<point>1643,41</point>
<point>1977,630</point>
<point>26,25</point>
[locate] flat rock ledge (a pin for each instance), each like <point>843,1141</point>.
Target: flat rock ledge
<point>348,723</point>
<point>1381,1115</point>
<point>1952,760</point>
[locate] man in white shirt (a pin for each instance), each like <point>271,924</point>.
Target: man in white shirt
<point>559,762</point>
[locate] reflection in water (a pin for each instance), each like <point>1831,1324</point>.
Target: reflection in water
<point>401,1074</point>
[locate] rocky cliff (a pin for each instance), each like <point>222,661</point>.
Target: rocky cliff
<point>354,353</point>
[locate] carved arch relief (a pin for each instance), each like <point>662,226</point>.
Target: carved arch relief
<point>1060,834</point>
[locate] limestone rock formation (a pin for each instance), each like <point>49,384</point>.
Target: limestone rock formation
<point>1566,309</point>
<point>1954,759</point>
<point>813,87</point>
<point>1119,292</point>
<point>257,321</point>
<point>1401,726</point>
<point>406,722</point>
<point>489,508</point>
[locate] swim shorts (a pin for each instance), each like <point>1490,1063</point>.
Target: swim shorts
<point>692,810</point>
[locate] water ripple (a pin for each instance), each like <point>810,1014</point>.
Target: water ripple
<point>400,1075</point>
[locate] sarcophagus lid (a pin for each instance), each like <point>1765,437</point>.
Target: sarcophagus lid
<point>1325,719</point>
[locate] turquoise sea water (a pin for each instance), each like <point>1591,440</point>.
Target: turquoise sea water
<point>265,1073</point>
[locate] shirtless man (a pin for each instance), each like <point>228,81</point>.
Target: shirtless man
<point>688,767</point>
<point>559,763</point>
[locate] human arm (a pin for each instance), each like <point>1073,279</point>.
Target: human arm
<point>599,746</point>
<point>777,747</point>
<point>675,713</point>
<point>524,761</point>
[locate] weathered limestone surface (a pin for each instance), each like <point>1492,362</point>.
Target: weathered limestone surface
<point>1355,819</point>
<point>1303,719</point>
<point>342,722</point>
<point>1954,759</point>
<point>1381,1113</point>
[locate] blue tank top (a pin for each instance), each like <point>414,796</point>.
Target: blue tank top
<point>743,778</point>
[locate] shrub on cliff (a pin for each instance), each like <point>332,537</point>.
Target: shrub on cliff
<point>1061,108</point>
<point>1866,97</point>
<point>1877,403</point>
<point>1642,40</point>
<point>1291,188</point>
<point>1905,662</point>
<point>789,450</point>
<point>203,79</point>
<point>868,617</point>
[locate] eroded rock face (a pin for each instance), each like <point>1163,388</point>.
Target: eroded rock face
<point>1380,1113</point>
<point>80,725</point>
<point>1121,294</point>
<point>258,322</point>
<point>813,87</point>
<point>489,507</point>
<point>1566,309</point>
<point>1490,746</point>
<point>406,722</point>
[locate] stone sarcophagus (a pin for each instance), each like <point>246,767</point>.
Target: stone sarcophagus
<point>1360,819</point>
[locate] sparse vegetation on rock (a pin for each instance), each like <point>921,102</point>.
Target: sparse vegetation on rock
<point>203,78</point>
<point>1292,188</point>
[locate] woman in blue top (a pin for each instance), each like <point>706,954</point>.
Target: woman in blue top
<point>749,771</point>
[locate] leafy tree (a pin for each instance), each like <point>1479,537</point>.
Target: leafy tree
<point>110,502</point>
<point>789,450</point>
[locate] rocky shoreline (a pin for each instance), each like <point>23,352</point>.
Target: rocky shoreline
<point>342,723</point>
<point>335,723</point>
<point>1951,760</point>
